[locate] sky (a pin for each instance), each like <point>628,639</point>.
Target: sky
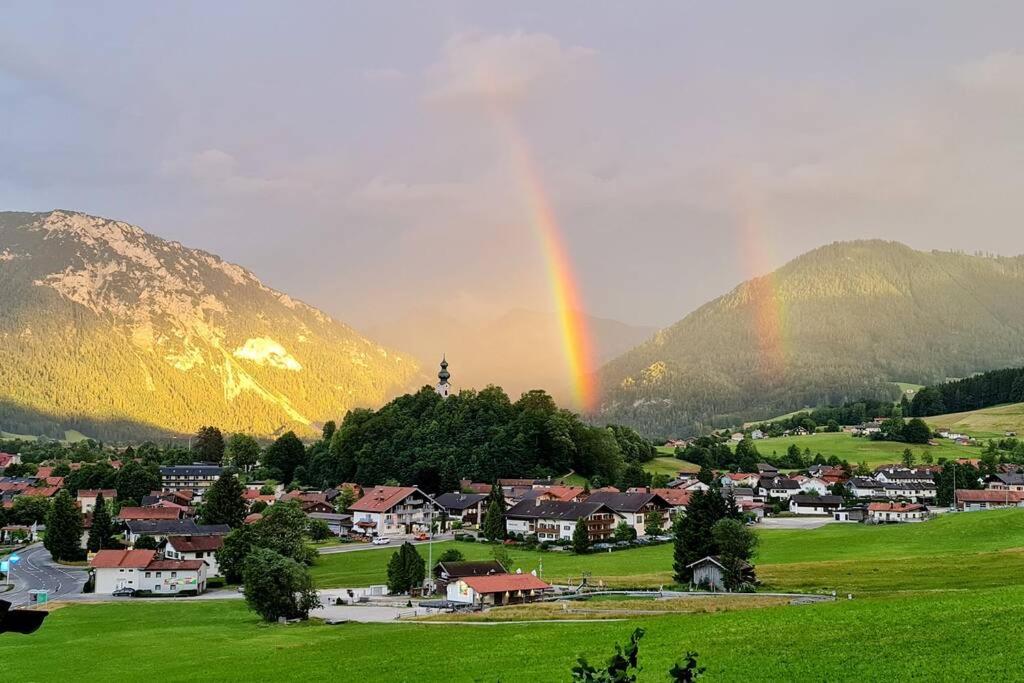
<point>361,156</point>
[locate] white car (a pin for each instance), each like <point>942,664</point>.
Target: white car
<point>381,540</point>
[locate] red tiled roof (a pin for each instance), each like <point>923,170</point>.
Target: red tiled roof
<point>191,544</point>
<point>43,491</point>
<point>252,518</point>
<point>42,472</point>
<point>112,559</point>
<point>674,497</point>
<point>500,583</point>
<point>54,481</point>
<point>989,496</point>
<point>382,498</point>
<point>185,565</point>
<point>611,489</point>
<point>895,507</point>
<point>140,513</point>
<point>564,492</point>
<point>108,494</point>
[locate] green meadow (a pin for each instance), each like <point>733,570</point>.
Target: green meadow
<point>957,550</point>
<point>859,449</point>
<point>946,636</point>
<point>985,423</point>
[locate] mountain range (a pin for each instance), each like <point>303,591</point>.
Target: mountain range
<point>114,332</point>
<point>839,323</point>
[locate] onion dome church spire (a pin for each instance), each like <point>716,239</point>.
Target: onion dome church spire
<point>443,388</point>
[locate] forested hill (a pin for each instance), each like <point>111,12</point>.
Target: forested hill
<point>835,324</point>
<point>120,334</point>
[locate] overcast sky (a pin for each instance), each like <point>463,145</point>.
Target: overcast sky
<point>349,152</point>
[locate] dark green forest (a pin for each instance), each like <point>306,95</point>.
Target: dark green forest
<point>973,393</point>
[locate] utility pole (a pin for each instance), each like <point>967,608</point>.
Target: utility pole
<point>430,547</point>
<point>954,486</point>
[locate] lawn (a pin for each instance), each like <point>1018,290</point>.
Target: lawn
<point>986,423</point>
<point>669,465</point>
<point>859,449</point>
<point>951,636</point>
<point>957,550</point>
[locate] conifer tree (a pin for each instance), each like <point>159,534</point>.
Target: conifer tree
<point>224,503</point>
<point>102,529</point>
<point>580,537</point>
<point>64,529</point>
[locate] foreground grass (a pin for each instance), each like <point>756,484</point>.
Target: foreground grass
<point>859,640</point>
<point>978,549</point>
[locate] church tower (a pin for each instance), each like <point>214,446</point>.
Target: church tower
<point>443,388</point>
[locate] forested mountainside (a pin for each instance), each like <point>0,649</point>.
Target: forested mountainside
<point>836,324</point>
<point>120,334</point>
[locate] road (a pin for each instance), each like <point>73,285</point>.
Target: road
<point>37,570</point>
<point>796,522</point>
<point>395,542</point>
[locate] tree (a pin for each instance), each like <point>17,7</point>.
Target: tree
<point>209,445</point>
<point>242,451</point>
<point>451,555</point>
<point>580,537</point>
<point>223,502</point>
<point>916,431</point>
<point>328,431</point>
<point>64,529</point>
<point>135,480</point>
<point>653,524</point>
<point>908,457</point>
<point>406,569</point>
<point>692,533</point>
<point>231,556</point>
<point>282,529</point>
<point>102,530</point>
<point>345,499</point>
<point>624,532</point>
<point>146,543</point>
<point>494,520</point>
<point>285,455</point>
<point>29,509</point>
<point>278,586</point>
<point>705,475</point>
<point>736,545</point>
<point>318,530</point>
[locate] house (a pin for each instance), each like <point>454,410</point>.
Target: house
<point>914,492</point>
<point>87,498</point>
<point>321,507</point>
<point>803,504</point>
<point>496,589</point>
<point>573,494</point>
<point>145,570</point>
<point>196,477</point>
<point>635,508</point>
<point>447,572</point>
<point>988,499</point>
<point>467,508</point>
<point>766,470</point>
<point>757,435</point>
<point>202,548</point>
<point>736,437</point>
<point>677,499</point>
<point>553,520</point>
<point>8,459</point>
<point>19,533</point>
<point>777,487</point>
<point>137,514</point>
<point>468,486</point>
<point>161,529</point>
<point>856,513</point>
<point>896,512</point>
<point>893,475</point>
<point>339,524</point>
<point>739,479</point>
<point>709,572</point>
<point>253,496</point>
<point>393,510</point>
<point>812,484</point>
<point>691,485</point>
<point>1009,481</point>
<point>865,487</point>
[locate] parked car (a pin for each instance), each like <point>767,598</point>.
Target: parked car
<point>602,546</point>
<point>381,540</point>
<point>421,537</point>
<point>123,593</point>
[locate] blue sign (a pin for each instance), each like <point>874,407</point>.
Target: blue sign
<point>5,566</point>
<point>14,558</point>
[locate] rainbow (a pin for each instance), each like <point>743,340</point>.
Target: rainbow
<point>766,309</point>
<point>576,340</point>
<point>577,346</point>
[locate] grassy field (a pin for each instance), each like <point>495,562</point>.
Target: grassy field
<point>979,549</point>
<point>669,465</point>
<point>855,450</point>
<point>859,640</point>
<point>986,423</point>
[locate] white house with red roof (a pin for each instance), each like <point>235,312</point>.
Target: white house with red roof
<point>203,548</point>
<point>897,512</point>
<point>497,589</point>
<point>393,510</point>
<point>146,570</point>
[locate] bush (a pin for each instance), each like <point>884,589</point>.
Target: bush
<point>278,586</point>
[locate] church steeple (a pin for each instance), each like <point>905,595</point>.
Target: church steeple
<point>443,388</point>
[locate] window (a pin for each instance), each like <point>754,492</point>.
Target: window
<point>148,574</point>
<point>157,587</point>
<point>159,574</point>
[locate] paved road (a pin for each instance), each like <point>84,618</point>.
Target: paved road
<point>395,542</point>
<point>37,570</point>
<point>796,522</point>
